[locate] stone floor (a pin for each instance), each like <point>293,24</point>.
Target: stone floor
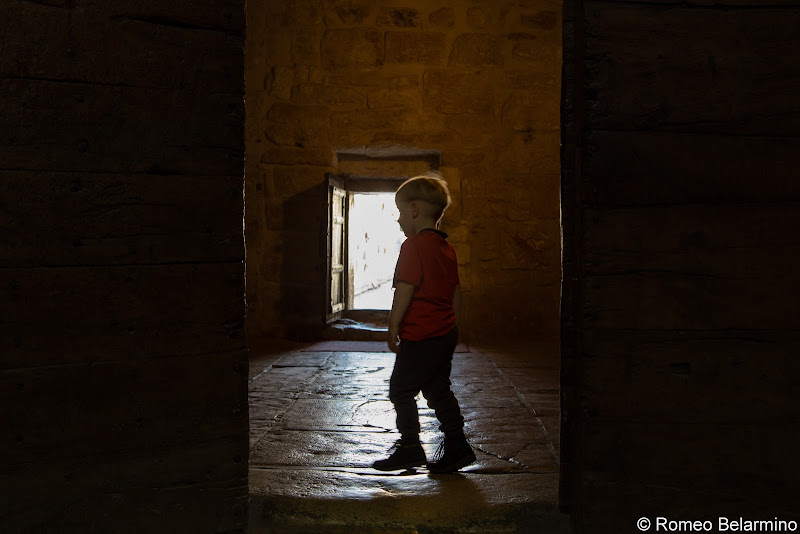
<point>319,419</point>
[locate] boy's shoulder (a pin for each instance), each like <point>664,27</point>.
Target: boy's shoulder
<point>427,238</point>
<point>430,234</point>
<point>428,242</point>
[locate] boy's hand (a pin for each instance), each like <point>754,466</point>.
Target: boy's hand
<point>402,298</point>
<point>394,338</point>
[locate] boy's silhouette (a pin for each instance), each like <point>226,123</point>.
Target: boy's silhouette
<point>423,330</point>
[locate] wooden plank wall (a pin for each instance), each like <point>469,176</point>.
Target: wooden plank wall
<point>123,375</point>
<point>681,203</point>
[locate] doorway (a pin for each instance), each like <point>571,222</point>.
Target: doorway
<point>364,242</point>
<point>374,240</point>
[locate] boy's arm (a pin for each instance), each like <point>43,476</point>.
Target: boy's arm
<point>402,298</point>
<point>457,304</point>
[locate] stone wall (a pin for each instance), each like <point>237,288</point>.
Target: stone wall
<point>123,374</point>
<point>476,82</point>
<point>680,202</point>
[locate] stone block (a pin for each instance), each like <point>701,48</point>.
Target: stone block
<point>543,20</point>
<point>44,134</point>
<point>420,139</point>
<point>353,138</point>
<point>76,48</point>
<point>279,14</point>
<point>293,179</point>
<point>301,126</point>
<point>329,95</point>
<point>520,36</point>
<point>482,193</point>
<point>259,183</point>
<point>279,82</point>
<point>316,74</point>
<point>477,50</point>
<point>542,202</point>
<point>402,17</point>
<point>478,279</point>
<point>444,17</point>
<point>403,82</point>
<point>297,156</point>
<point>302,265</point>
<point>527,281</point>
<point>400,91</point>
<point>527,151</point>
<point>478,18</point>
<point>458,233</point>
<point>92,218</point>
<point>527,48</point>
<point>530,312</point>
<point>356,78</point>
<point>352,48</point>
<point>531,246</point>
<point>463,252</point>
<point>278,46</point>
<point>301,73</point>
<point>273,214</point>
<point>452,216</point>
<point>532,4</point>
<point>414,47</point>
<point>480,181</point>
<point>305,47</point>
<point>486,242</point>
<point>452,177</point>
<point>544,55</point>
<point>394,119</point>
<point>524,112</point>
<point>383,167</point>
<point>471,156</point>
<point>352,14</point>
<point>472,130</point>
<point>384,151</point>
<point>476,207</point>
<point>548,79</point>
<point>450,91</point>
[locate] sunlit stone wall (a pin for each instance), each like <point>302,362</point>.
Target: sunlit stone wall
<point>479,82</point>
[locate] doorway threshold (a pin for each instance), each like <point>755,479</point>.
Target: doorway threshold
<point>360,325</point>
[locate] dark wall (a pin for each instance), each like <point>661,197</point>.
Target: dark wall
<point>123,369</point>
<point>680,197</point>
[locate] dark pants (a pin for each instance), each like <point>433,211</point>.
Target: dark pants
<point>425,366</point>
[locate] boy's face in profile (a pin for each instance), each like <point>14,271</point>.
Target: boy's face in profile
<point>406,217</point>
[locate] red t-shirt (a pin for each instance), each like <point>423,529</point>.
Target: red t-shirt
<point>428,261</point>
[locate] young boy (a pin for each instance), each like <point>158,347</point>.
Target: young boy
<point>423,331</point>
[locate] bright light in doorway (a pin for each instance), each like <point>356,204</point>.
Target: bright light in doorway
<point>375,239</point>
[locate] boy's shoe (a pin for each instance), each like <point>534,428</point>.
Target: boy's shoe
<point>403,457</point>
<point>452,455</point>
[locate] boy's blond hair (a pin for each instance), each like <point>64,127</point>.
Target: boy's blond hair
<point>429,188</point>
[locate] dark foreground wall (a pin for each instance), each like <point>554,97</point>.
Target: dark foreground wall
<point>680,195</point>
<point>123,369</point>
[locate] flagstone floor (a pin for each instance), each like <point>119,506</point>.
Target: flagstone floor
<point>319,419</point>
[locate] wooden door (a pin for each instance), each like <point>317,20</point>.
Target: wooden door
<point>337,248</point>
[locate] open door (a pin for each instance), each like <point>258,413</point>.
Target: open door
<point>337,248</point>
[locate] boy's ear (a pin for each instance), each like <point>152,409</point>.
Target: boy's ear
<point>414,209</point>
